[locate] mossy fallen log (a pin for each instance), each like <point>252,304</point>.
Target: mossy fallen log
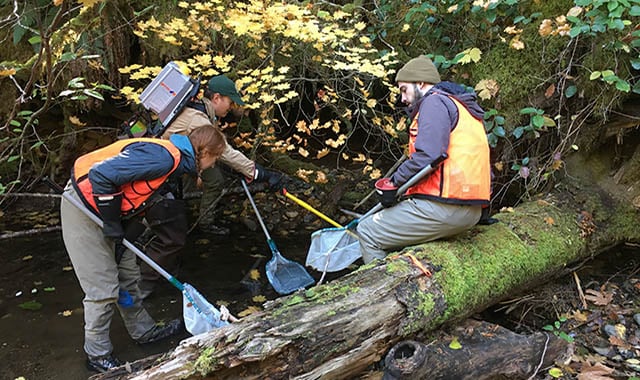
<point>337,330</point>
<point>475,351</point>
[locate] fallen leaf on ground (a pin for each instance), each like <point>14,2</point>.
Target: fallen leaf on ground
<point>249,310</point>
<point>254,274</point>
<point>579,316</point>
<point>598,298</point>
<point>595,372</point>
<point>455,345</point>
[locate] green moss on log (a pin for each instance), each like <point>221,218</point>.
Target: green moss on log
<point>489,261</point>
<point>206,362</point>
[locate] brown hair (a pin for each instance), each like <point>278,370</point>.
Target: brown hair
<point>207,139</point>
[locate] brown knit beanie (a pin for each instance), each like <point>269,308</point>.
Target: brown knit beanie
<point>420,69</point>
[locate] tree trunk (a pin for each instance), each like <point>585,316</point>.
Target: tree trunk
<point>337,330</point>
<point>475,351</point>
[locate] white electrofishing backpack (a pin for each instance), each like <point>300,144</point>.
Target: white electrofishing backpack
<point>162,99</point>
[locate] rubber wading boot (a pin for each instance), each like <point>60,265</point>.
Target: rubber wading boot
<point>159,332</point>
<point>102,363</point>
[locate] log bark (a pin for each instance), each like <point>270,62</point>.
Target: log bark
<point>483,351</point>
<point>337,330</point>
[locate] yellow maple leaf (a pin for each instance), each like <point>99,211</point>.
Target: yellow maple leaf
<point>487,88</point>
<point>259,298</point>
<point>322,153</point>
<point>7,72</point>
<point>516,43</point>
<point>76,121</point>
<point>254,274</point>
<point>303,152</point>
<point>249,310</point>
<point>549,220</point>
<point>470,55</point>
<point>321,177</point>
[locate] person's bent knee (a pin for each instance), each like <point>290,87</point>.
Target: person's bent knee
<point>368,247</point>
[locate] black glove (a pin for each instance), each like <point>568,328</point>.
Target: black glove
<point>386,192</point>
<point>109,207</point>
<point>119,250</point>
<point>272,178</point>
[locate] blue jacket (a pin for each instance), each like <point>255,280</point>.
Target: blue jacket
<point>141,161</point>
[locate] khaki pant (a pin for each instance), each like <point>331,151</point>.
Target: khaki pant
<point>410,222</point>
<point>93,260</point>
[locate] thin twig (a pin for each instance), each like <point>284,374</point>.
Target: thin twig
<point>580,293</point>
<point>30,195</point>
<point>34,231</point>
<point>544,351</point>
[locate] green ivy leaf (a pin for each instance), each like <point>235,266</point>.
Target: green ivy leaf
<point>499,131</point>
<point>68,56</point>
<point>565,336</point>
<point>574,32</point>
<point>623,85</point>
<point>94,94</point>
<point>76,82</point>
<point>570,91</point>
<point>35,40</point>
<point>493,140</point>
<point>549,122</point>
<point>595,75</point>
<point>537,121</point>
<point>518,132</point>
<point>528,111</point>
<point>25,113</point>
<point>31,305</point>
<point>455,345</point>
<point>555,372</point>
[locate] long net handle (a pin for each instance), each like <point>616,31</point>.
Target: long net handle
<point>308,207</point>
<point>412,181</point>
<point>255,209</point>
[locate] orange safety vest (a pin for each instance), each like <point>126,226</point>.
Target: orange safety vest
<point>465,176</point>
<point>134,194</point>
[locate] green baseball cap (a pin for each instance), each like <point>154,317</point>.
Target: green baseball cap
<point>224,86</point>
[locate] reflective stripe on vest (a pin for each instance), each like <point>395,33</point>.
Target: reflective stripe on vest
<point>464,177</point>
<point>134,194</point>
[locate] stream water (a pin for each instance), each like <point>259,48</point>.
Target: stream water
<point>47,343</point>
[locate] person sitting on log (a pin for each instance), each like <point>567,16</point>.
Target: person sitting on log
<point>120,184</point>
<point>445,118</point>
